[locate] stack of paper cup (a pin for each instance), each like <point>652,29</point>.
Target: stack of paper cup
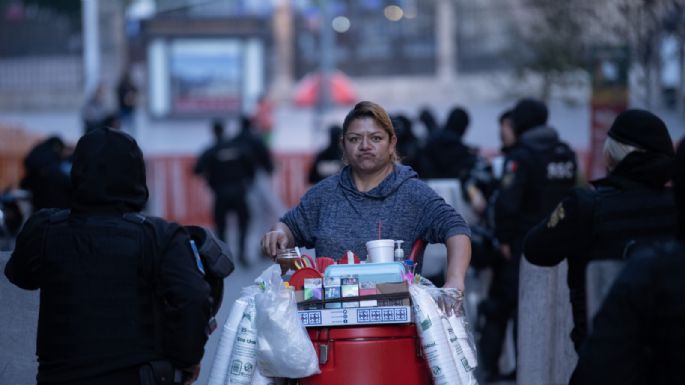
<point>244,355</point>
<point>434,340</point>
<point>380,250</point>
<point>223,353</point>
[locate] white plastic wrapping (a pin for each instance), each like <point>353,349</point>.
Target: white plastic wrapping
<point>434,341</point>
<point>223,352</point>
<point>284,348</point>
<point>244,353</point>
<point>447,345</point>
<point>465,340</point>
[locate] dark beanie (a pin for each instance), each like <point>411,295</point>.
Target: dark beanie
<point>527,114</point>
<point>643,130</point>
<point>457,121</point>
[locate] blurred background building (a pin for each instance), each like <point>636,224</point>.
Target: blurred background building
<point>194,60</point>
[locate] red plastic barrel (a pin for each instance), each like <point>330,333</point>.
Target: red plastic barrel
<point>374,355</point>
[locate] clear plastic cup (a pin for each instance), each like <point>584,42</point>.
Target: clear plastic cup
<point>288,260</point>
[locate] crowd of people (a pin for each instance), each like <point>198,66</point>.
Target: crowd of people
<point>530,200</point>
<point>92,245</point>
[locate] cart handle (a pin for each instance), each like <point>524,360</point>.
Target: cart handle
<point>417,249</point>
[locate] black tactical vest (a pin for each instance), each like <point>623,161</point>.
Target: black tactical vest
<point>108,264</point>
<point>554,174</point>
<point>625,212</point>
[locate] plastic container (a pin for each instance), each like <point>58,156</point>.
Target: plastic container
<point>369,272</point>
<point>288,259</point>
<point>380,250</point>
<point>379,355</point>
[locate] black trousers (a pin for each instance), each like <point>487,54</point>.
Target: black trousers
<point>224,204</point>
<point>497,309</point>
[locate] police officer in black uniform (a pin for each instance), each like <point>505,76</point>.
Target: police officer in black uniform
<point>229,166</point>
<point>631,204</point>
<point>538,170</point>
<point>445,154</point>
<point>119,292</point>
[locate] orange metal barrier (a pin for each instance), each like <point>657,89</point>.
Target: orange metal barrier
<point>178,195</point>
<point>175,193</point>
<point>14,145</point>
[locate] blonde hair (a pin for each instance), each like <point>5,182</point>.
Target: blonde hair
<point>615,152</point>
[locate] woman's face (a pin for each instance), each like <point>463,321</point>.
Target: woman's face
<point>367,147</point>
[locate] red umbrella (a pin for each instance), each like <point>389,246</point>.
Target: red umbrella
<point>307,90</point>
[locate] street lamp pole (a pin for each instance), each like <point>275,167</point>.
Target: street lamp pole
<point>91,46</point>
<point>327,53</point>
<point>327,64</point>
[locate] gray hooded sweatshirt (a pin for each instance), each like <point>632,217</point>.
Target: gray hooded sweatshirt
<point>334,216</point>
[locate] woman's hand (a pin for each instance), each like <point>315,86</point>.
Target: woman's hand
<point>277,239</point>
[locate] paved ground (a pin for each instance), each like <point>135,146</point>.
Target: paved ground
<point>18,322</point>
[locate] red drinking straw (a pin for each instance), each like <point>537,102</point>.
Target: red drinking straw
<point>380,224</point>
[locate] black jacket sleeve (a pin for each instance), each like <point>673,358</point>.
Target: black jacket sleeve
<point>510,198</point>
<point>23,267</point>
<point>186,297</point>
<point>564,233</point>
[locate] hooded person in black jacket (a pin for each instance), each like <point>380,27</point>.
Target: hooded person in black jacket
<point>631,204</point>
<point>328,161</point>
<point>637,335</point>
<point>118,290</point>
<point>445,155</point>
<point>47,175</point>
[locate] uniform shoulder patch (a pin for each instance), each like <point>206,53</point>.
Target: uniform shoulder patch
<point>557,216</point>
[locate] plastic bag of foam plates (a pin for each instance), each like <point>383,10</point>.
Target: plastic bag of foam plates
<point>284,348</point>
<point>446,341</point>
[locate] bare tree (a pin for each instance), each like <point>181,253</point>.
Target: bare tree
<point>553,44</point>
<point>558,36</point>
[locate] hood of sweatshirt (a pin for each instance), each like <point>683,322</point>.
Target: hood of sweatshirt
<point>539,138</point>
<point>108,173</point>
